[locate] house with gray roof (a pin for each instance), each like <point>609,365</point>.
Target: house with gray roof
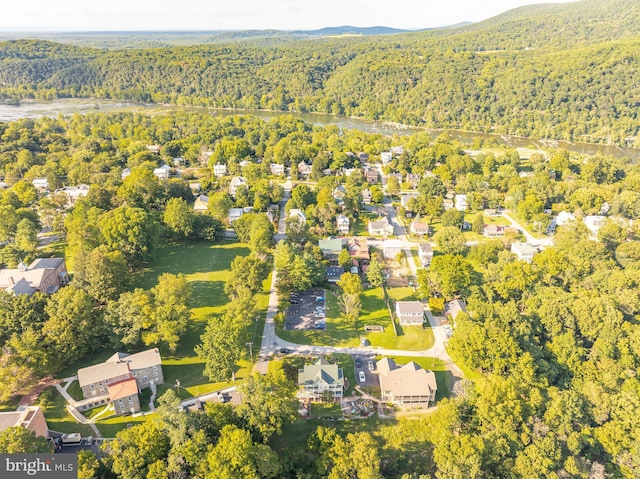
<point>46,275</point>
<point>408,385</point>
<point>410,313</point>
<point>319,380</point>
<point>380,227</point>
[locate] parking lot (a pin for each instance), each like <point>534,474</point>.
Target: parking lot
<point>361,363</point>
<point>305,311</point>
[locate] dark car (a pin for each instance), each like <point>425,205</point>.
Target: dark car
<point>285,351</point>
<point>358,363</point>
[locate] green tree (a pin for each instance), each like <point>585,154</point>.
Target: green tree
<point>375,273</point>
<point>219,205</point>
<point>356,457</point>
<point>344,259</point>
<point>261,235</point>
<point>135,449</point>
<point>141,188</point>
<point>453,217</point>
<point>247,276</point>
<point>179,217</point>
<point>235,455</point>
<point>131,231</point>
<point>450,240</point>
<point>297,230</point>
<point>170,311</point>
<point>221,347</point>
<point>350,284</point>
<point>20,440</point>
<point>268,403</point>
<point>26,239</point>
<point>393,186</point>
<point>478,224</point>
<point>102,273</point>
<point>448,276</point>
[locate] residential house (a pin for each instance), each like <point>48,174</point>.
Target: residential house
<point>297,213</point>
<point>234,215</point>
<point>244,163</point>
<point>386,157</point>
<point>195,187</point>
<point>425,253</point>
<point>219,170</point>
<point>276,169</point>
<point>179,161</point>
<point>201,204</point>
<point>304,169</point>
<point>331,248</point>
<point>363,157</point>
<point>391,248</point>
<point>419,228</point>
<point>372,176</point>
<point>236,182</point>
<point>366,197</point>
<point>406,198</point>
<point>397,150</point>
<point>524,251</point>
<point>397,176</point>
<point>154,149</point>
<point>349,171</point>
<point>319,380</point>
<point>73,193</point>
<point>594,223</point>
<point>358,249</point>
<point>29,417</point>
<point>413,180</point>
<point>46,275</point>
<point>163,172</point>
<point>410,313</point>
<point>119,378</point>
<point>454,308</point>
<point>339,194</point>
<point>342,224</point>
<point>41,183</point>
<point>380,227</point>
<point>494,231</point>
<point>448,204</point>
<point>334,273</point>
<point>461,203</point>
<point>407,385</point>
<point>124,396</point>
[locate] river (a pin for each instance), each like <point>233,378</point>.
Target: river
<point>69,106</point>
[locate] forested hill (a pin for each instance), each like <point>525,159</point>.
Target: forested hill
<point>565,71</point>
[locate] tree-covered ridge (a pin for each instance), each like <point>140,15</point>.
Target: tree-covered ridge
<point>553,71</point>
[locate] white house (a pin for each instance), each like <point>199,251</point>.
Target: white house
<point>386,157</point>
<point>461,202</point>
<point>524,251</point>
<point>594,223</point>
<point>380,227</point>
<point>410,313</point>
<point>236,182</point>
<point>219,170</point>
<point>73,193</point>
<point>163,172</point>
<point>342,224</point>
<point>425,253</point>
<point>276,169</point>
<point>201,204</point>
<point>297,213</point>
<point>40,183</point>
<point>304,168</point>
<point>397,150</point>
<point>366,197</point>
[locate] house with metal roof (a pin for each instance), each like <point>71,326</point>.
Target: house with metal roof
<point>320,380</point>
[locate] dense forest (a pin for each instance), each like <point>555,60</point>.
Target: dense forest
<point>564,71</point>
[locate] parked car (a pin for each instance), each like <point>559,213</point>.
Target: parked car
<point>371,366</point>
<point>361,376</point>
<point>358,363</point>
<point>285,351</point>
<point>448,332</point>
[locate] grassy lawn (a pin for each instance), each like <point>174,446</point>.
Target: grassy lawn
<point>363,221</point>
<point>374,313</point>
<point>207,268</point>
<point>319,410</point>
<point>58,418</point>
<point>75,391</point>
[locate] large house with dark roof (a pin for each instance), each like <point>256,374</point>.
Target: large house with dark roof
<point>320,379</point>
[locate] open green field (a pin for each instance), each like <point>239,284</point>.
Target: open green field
<point>374,313</point>
<point>58,418</point>
<point>207,267</point>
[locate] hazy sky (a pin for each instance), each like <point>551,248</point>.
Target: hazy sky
<point>244,14</point>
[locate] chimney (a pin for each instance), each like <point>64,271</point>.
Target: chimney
<point>11,280</point>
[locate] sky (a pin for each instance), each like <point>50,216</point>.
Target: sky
<point>100,15</point>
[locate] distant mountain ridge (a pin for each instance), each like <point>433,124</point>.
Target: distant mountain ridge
<point>566,71</point>
<point>351,30</point>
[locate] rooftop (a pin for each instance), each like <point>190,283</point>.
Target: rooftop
<point>123,389</point>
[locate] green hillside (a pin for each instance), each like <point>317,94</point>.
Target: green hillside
<point>565,71</point>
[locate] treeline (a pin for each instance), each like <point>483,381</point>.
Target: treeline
<point>518,74</point>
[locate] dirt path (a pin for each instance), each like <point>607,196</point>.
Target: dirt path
<point>30,398</point>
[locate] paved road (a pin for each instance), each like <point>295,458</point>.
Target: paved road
<point>530,238</point>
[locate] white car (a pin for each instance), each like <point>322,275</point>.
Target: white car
<point>448,332</point>
<point>361,376</point>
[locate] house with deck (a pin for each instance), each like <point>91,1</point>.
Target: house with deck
<point>408,385</point>
<point>319,381</point>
